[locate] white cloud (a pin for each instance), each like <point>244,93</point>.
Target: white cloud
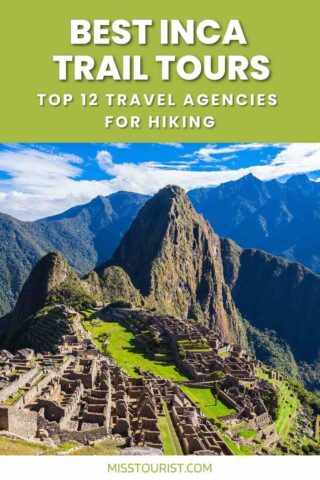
<point>30,166</point>
<point>147,177</point>
<point>207,153</point>
<point>43,183</point>
<point>104,159</point>
<point>119,145</point>
<point>228,157</point>
<point>173,145</point>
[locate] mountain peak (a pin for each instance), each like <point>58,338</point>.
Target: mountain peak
<point>250,178</point>
<point>48,273</point>
<point>49,264</point>
<point>299,180</point>
<point>99,203</point>
<point>173,257</point>
<point>174,190</point>
<point>171,193</point>
<point>54,256</point>
<point>98,200</point>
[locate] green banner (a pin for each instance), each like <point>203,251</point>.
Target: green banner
<point>160,71</point>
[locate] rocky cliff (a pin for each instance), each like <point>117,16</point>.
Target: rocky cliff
<point>110,284</point>
<point>173,257</point>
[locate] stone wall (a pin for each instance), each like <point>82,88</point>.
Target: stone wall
<point>230,402</point>
<point>13,387</point>
<point>65,364</point>
<point>19,422</point>
<point>72,404</point>
<point>61,436</point>
<point>84,436</point>
<point>87,378</point>
<point>34,390</point>
<point>4,418</point>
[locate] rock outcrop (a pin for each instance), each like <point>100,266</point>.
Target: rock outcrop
<point>112,283</point>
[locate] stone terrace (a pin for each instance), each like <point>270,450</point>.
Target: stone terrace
<point>81,395</point>
<point>199,352</point>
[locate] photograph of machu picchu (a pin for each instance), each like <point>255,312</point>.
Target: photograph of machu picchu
<point>160,299</point>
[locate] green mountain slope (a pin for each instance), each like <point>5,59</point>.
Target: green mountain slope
<point>51,281</point>
<point>85,235</point>
<point>279,296</point>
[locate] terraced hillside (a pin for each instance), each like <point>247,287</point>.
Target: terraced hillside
<point>127,350</point>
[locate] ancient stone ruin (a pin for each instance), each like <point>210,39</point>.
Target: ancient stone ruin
<point>82,395</point>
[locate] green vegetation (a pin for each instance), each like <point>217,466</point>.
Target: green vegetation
<point>87,313</point>
<point>72,293</point>
<point>248,433</point>
<point>224,354</point>
<point>11,400</point>
<point>210,405</point>
<point>171,444</point>
<point>309,399</point>
<point>217,375</point>
<point>165,435</point>
<point>9,446</point>
<point>271,350</point>
<point>126,351</point>
<point>114,286</point>
<point>286,405</point>
<point>310,375</point>
<point>103,341</point>
<point>271,400</point>
<point>43,375</point>
<point>317,429</point>
<point>235,448</point>
<point>127,354</point>
<point>101,447</point>
<point>193,346</point>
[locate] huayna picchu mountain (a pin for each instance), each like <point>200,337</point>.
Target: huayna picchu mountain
<point>173,257</point>
<point>170,260</point>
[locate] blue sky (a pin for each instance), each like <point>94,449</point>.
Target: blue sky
<point>37,180</point>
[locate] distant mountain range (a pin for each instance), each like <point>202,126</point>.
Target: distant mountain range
<point>172,261</point>
<point>86,235</point>
<point>280,218</point>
